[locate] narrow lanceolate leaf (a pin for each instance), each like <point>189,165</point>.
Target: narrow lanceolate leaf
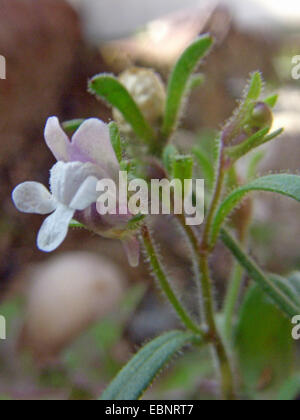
<point>284,184</point>
<point>139,373</point>
<point>115,140</point>
<point>256,140</point>
<point>179,82</point>
<point>72,125</point>
<point>254,87</point>
<point>276,291</point>
<point>109,89</point>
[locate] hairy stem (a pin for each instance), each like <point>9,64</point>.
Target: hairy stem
<point>214,202</point>
<point>208,309</point>
<point>231,299</point>
<point>163,280</point>
<point>234,287</point>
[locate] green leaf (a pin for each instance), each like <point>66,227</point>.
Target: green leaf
<point>285,184</point>
<point>277,292</point>
<point>273,135</point>
<point>115,140</point>
<point>255,86</point>
<point>169,154</point>
<point>179,82</point>
<point>263,342</point>
<point>256,140</point>
<point>108,88</point>
<point>271,100</point>
<point>133,380</point>
<point>72,125</point>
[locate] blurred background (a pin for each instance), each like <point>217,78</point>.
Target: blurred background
<point>74,317</point>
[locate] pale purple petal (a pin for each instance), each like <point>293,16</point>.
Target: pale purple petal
<point>132,249</point>
<point>33,197</point>
<point>91,143</point>
<point>56,139</point>
<point>54,229</point>
<point>86,194</point>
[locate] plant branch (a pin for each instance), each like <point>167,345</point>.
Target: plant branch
<point>163,280</point>
<point>213,334</point>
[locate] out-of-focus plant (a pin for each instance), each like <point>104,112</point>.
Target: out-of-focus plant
<point>257,333</point>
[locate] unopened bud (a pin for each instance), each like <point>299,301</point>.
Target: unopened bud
<point>147,89</point>
<point>261,115</point>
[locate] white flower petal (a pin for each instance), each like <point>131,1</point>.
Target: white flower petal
<point>67,178</point>
<point>54,229</point>
<point>93,140</point>
<point>56,139</point>
<point>86,194</point>
<point>33,197</point>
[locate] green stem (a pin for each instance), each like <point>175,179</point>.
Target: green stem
<point>208,309</point>
<point>162,278</point>
<point>227,382</point>
<point>215,201</point>
<point>234,287</point>
<point>231,299</point>
<point>278,297</point>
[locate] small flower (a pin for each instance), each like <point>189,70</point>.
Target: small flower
<point>82,162</point>
<point>73,188</point>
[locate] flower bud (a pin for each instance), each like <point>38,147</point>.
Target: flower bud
<point>261,115</point>
<point>147,89</point>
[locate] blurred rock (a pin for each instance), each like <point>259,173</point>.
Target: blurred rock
<point>65,296</point>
